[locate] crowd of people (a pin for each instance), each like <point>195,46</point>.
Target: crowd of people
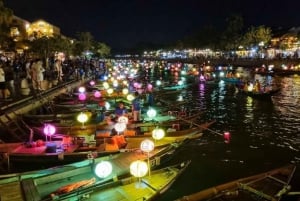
<point>35,71</point>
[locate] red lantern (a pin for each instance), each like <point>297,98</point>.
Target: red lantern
<point>227,137</point>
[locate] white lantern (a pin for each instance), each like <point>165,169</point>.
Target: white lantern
<point>103,169</point>
<point>147,145</point>
<point>120,127</point>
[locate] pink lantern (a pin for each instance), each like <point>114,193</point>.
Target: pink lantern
<point>49,130</point>
<point>92,82</point>
<point>97,94</point>
<point>82,96</point>
<point>149,87</point>
<point>136,85</point>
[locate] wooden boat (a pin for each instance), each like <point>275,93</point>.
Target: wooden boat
<point>261,94</point>
<point>128,188</point>
<point>39,184</point>
<point>232,80</point>
<point>271,185</point>
<point>70,149</point>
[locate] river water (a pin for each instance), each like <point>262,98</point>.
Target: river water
<point>265,134</point>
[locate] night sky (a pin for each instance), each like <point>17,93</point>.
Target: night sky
<point>125,23</point>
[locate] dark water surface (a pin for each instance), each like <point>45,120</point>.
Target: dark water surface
<point>265,134</point>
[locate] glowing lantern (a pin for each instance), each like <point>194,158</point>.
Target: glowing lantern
<point>136,85</point>
<point>82,118</point>
<point>82,96</point>
<point>147,146</point>
<point>105,85</point>
<point>107,105</point>
<point>227,137</point>
<point>92,82</point>
<point>130,97</point>
<point>97,94</point>
<point>149,87</point>
<point>81,89</point>
<point>158,133</point>
<point>151,113</point>
<point>138,168</point>
<point>158,83</point>
<point>103,169</point>
<point>120,127</point>
<point>110,91</point>
<point>49,130</point>
<point>125,91</point>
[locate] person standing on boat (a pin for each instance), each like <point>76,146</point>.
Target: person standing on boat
<point>136,107</point>
<point>120,110</point>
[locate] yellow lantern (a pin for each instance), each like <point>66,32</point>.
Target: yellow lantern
<point>138,168</point>
<point>158,133</point>
<point>82,118</point>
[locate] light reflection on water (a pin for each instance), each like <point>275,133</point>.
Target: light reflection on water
<point>264,135</point>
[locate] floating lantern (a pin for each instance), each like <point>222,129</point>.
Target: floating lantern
<point>138,168</point>
<point>158,133</point>
<point>103,169</point>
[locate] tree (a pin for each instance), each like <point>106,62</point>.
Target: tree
<point>85,42</point>
<point>233,32</point>
<point>6,16</point>
<point>257,35</point>
<point>101,49</point>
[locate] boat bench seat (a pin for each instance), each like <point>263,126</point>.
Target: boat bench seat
<point>30,191</point>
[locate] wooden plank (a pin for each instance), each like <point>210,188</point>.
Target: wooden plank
<point>30,191</point>
<point>11,192</point>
